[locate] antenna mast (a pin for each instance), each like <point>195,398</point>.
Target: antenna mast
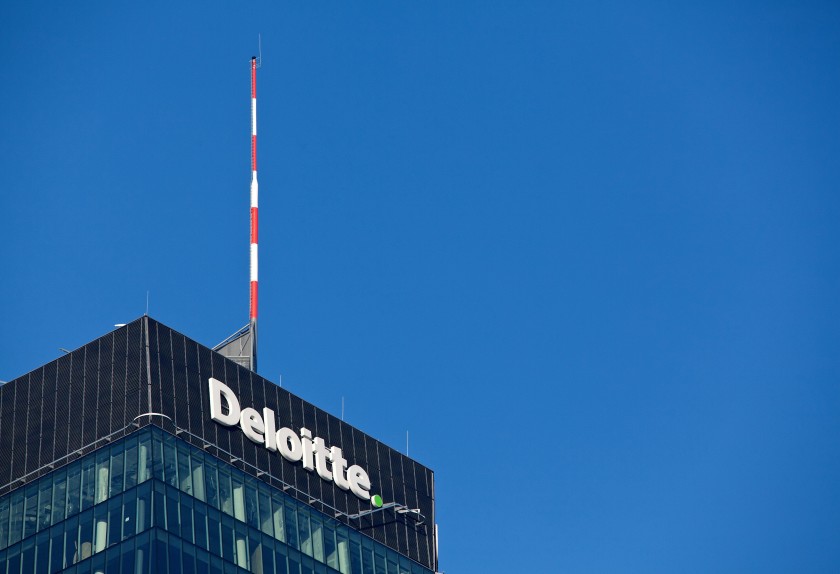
<point>241,347</point>
<point>254,216</point>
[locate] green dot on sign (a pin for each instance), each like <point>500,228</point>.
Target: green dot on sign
<point>376,500</point>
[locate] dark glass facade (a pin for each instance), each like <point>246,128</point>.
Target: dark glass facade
<point>177,492</point>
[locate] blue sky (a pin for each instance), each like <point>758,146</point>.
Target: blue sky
<point>585,253</point>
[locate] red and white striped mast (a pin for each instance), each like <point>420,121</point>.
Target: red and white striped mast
<point>254,216</point>
<point>241,347</point>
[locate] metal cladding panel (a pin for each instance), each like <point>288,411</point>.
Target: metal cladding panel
<point>62,417</point>
<point>67,408</point>
<point>35,402</point>
<point>19,430</point>
<point>60,411</point>
<point>100,375</point>
<point>85,385</point>
<point>127,402</point>
<point>7,414</point>
<point>48,420</point>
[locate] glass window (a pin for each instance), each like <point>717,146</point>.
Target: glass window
<point>74,488</point>
<point>27,554</point>
<point>238,498</point>
<point>251,513</point>
<point>42,553</point>
<point>294,565</point>
<point>225,493</point>
<point>267,556</point>
<point>280,560</point>
<point>291,530</point>
<point>170,461</point>
<point>112,561</point>
<point>344,551</point>
<point>330,548</point>
<point>103,465</point>
<point>255,553</point>
<point>172,518</point>
<point>307,566</point>
<point>317,537</point>
<point>277,518</point>
<point>214,530</point>
<point>200,527</point>
<point>159,507</point>
<point>45,502</point>
<point>157,458</point>
<point>100,528</point>
<point>197,464</point>
<point>159,558</point>
<point>130,478</point>
<point>211,484</point>
<point>144,507</point>
<point>379,561</point>
<point>13,560</point>
<point>56,548</point>
<point>174,554</point>
<point>71,541</point>
<point>189,560</point>
<point>97,564</point>
<point>115,520</point>
<point>142,560</point>
<point>30,510</point>
<point>266,523</point>
<point>393,567</point>
<point>129,520</point>
<point>59,497</point>
<point>144,458</point>
<point>128,559</point>
<point>240,535</point>
<point>227,541</point>
<point>367,556</point>
<point>117,469</point>
<point>23,514</point>
<point>88,482</point>
<point>185,483</point>
<point>202,562</point>
<point>84,548</point>
<point>4,522</point>
<point>216,567</point>
<point>303,532</point>
<point>186,519</point>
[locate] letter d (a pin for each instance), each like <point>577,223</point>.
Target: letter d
<point>217,390</point>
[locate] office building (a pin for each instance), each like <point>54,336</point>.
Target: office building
<point>144,452</point>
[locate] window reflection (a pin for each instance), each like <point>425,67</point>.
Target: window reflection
<point>99,510</point>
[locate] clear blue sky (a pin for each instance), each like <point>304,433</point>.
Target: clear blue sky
<point>586,253</point>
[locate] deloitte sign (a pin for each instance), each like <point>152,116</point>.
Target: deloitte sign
<point>313,453</point>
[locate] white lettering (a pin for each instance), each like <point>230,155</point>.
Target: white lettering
<point>288,443</point>
<point>359,481</point>
<point>306,441</point>
<point>252,425</point>
<point>339,466</point>
<point>217,390</point>
<point>270,430</point>
<point>321,454</point>
<point>312,452</point>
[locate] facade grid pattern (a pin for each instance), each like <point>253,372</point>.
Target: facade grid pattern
<point>96,515</point>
